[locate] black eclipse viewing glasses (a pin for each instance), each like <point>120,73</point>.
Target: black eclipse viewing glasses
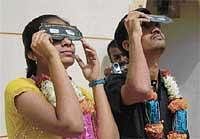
<point>58,32</point>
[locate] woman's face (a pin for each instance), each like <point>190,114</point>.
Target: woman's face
<point>65,47</point>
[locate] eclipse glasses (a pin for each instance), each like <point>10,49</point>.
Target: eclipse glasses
<point>59,32</point>
<point>160,19</point>
<point>156,20</point>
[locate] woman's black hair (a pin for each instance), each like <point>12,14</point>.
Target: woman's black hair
<point>27,34</point>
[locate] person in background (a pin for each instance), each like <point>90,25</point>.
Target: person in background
<point>47,104</point>
<point>116,55</point>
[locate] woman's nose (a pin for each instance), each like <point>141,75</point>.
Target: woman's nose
<point>66,42</point>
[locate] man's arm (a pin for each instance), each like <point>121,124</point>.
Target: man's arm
<point>137,86</point>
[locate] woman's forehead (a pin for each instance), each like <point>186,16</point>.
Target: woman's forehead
<point>56,21</point>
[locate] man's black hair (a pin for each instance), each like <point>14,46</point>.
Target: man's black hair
<point>112,44</point>
<point>121,33</point>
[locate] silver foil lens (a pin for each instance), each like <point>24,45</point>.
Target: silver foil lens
<point>59,32</point>
<point>160,19</point>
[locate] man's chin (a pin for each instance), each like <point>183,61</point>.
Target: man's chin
<point>160,45</point>
<point>160,48</point>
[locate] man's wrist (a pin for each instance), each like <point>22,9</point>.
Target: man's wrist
<point>135,35</point>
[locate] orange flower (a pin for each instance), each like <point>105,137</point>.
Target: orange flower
<point>178,104</point>
<point>154,131</point>
<point>38,79</point>
<point>87,106</point>
<point>175,135</point>
<point>151,95</point>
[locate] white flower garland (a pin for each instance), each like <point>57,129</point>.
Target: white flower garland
<point>47,89</point>
<point>172,87</point>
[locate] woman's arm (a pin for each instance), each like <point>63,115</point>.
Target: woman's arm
<point>66,118</point>
<point>106,126</point>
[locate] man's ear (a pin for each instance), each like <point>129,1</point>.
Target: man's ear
<point>125,45</point>
<point>32,56</point>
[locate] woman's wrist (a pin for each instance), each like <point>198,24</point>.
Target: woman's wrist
<point>54,59</point>
<point>96,82</point>
<point>92,78</point>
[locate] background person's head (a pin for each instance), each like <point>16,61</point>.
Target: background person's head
<point>116,54</point>
<point>31,28</point>
<point>152,37</point>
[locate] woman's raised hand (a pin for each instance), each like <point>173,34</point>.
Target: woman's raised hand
<point>91,69</point>
<point>42,45</point>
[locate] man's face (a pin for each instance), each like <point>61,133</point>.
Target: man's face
<point>116,55</point>
<point>152,37</point>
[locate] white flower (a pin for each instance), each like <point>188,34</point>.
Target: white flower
<point>47,89</point>
<point>78,91</point>
<point>172,87</point>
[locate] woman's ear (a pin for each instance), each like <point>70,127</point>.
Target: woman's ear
<point>125,45</point>
<point>32,56</point>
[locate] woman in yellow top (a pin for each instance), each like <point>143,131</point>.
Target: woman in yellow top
<point>47,104</point>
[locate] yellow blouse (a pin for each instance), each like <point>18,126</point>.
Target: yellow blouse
<point>18,127</point>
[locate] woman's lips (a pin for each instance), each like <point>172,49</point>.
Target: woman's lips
<point>67,53</point>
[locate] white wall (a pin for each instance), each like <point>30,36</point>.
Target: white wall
<point>99,18</point>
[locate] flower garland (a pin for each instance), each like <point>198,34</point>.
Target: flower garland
<point>177,105</point>
<point>86,104</point>
<point>46,86</point>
